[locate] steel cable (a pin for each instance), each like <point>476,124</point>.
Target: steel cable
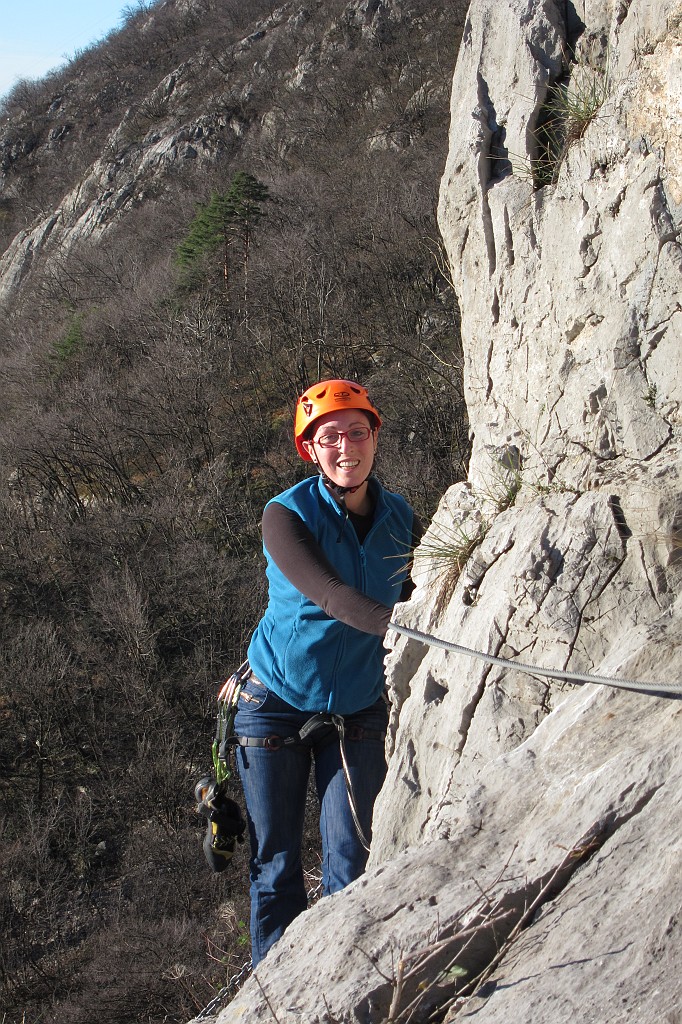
<point>672,690</point>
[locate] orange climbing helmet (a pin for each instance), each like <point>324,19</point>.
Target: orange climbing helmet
<point>329,396</point>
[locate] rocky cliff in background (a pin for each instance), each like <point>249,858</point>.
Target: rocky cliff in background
<point>529,832</point>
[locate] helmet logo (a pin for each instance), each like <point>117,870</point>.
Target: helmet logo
<point>307,407</point>
<point>342,396</point>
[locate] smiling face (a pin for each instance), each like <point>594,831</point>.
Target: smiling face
<point>350,462</point>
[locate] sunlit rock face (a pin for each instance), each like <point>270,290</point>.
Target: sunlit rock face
<point>531,828</point>
<point>570,292</point>
<point>571,317</point>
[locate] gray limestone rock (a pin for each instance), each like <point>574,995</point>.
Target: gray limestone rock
<point>562,864</point>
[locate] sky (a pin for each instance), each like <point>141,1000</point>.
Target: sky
<point>38,35</point>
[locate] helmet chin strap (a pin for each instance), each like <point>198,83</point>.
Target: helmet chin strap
<point>336,489</point>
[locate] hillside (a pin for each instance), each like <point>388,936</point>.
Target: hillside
<point>147,386</point>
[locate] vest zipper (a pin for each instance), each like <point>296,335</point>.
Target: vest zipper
<point>363,566</point>
<point>343,523</point>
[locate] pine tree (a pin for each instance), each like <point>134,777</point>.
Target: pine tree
<point>226,220</point>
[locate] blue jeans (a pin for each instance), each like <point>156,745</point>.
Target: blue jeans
<point>275,785</point>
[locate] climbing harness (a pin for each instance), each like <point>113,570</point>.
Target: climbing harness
<point>671,690</point>
<point>225,825</point>
<point>318,731</point>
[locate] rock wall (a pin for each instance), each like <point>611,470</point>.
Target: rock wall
<point>531,829</point>
<point>570,292</point>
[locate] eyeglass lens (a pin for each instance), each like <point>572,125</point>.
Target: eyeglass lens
<point>333,438</point>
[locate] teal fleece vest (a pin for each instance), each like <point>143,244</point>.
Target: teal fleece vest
<point>310,660</point>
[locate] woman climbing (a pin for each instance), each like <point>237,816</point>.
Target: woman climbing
<point>338,548</point>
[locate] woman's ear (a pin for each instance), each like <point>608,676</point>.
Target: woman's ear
<point>310,448</point>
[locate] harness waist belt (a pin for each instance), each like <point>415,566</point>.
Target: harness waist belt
<point>320,723</point>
